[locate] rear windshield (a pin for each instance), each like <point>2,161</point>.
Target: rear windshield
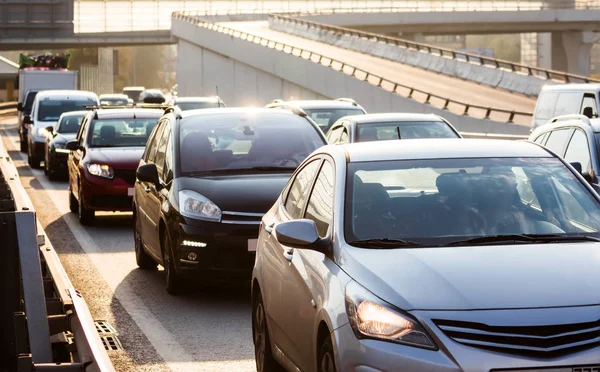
<point>69,124</point>
<point>325,118</point>
<point>184,106</point>
<point>29,101</point>
<point>404,130</point>
<point>246,141</point>
<point>113,101</point>
<point>121,132</point>
<point>52,109</point>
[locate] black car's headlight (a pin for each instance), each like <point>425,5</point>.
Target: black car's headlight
<point>370,317</point>
<point>195,205</point>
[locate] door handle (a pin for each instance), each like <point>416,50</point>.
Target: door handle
<point>288,253</point>
<point>147,188</point>
<point>269,227</point>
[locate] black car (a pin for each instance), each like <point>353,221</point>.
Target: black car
<point>204,182</point>
<point>55,152</point>
<point>24,109</point>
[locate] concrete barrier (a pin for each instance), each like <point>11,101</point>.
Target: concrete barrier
<point>496,77</point>
<point>281,68</point>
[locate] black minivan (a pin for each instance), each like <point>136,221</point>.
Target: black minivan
<point>204,182</point>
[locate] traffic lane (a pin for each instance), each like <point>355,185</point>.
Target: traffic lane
<point>200,330</point>
<point>443,85</point>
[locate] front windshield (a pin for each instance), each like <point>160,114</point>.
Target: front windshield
<point>404,130</point>
<point>121,132</point>
<point>325,118</point>
<point>52,109</point>
<point>436,202</point>
<point>184,106</point>
<point>238,141</point>
<point>69,124</point>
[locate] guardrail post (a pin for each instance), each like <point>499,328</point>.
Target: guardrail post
<point>466,112</point>
<point>511,117</point>
<point>488,112</point>
<point>33,288</point>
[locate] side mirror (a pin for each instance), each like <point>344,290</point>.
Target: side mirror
<point>27,120</point>
<point>19,106</point>
<point>73,145</point>
<point>50,129</point>
<point>577,166</point>
<point>297,233</point>
<point>147,173</point>
<point>589,112</point>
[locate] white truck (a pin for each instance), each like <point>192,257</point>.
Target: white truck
<point>33,80</point>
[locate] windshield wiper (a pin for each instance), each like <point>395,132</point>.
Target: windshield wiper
<point>270,168</point>
<point>239,170</point>
<point>522,238</point>
<point>384,243</point>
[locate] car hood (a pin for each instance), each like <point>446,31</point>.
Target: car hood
<point>482,277</point>
<point>253,193</point>
<point>64,137</point>
<point>127,158</point>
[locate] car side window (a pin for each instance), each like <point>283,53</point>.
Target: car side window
<point>540,139</point>
<point>578,150</point>
<point>168,171</point>
<point>557,140</point>
<point>82,129</point>
<point>320,203</point>
<point>154,145</point>
<point>334,135</point>
<point>344,138</point>
<point>162,149</point>
<point>297,196</point>
<point>150,144</point>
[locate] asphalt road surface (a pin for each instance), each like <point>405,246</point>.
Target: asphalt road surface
<point>204,329</point>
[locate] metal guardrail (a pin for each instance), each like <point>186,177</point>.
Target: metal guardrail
<point>46,325</point>
<point>394,87</point>
<point>444,52</point>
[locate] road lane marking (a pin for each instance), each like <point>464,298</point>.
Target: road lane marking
<point>166,346</point>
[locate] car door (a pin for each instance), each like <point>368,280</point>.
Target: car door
<point>155,193</point>
<point>142,188</point>
<point>276,263</point>
<point>304,283</point>
<point>76,156</point>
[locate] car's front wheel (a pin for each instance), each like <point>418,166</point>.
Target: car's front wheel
<point>73,204</point>
<point>33,161</point>
<point>262,343</point>
<point>86,216</point>
<point>173,283</point>
<point>50,172</point>
<point>326,361</point>
<point>143,259</point>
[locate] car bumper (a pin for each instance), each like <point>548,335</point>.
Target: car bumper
<point>102,194</point>
<point>353,354</point>
<point>226,251</point>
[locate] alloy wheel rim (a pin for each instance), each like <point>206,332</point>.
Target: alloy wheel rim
<point>259,342</point>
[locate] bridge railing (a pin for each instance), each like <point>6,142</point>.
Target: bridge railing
<point>490,62</point>
<point>420,95</point>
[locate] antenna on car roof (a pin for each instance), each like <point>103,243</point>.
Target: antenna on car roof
<point>218,99</point>
<point>398,131</point>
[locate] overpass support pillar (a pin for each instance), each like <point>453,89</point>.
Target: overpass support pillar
<point>571,51</point>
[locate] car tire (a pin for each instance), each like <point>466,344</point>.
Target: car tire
<point>263,355</point>
<point>173,284</point>
<point>86,216</point>
<point>23,145</point>
<point>73,204</point>
<point>143,259</point>
<point>32,160</point>
<point>325,359</point>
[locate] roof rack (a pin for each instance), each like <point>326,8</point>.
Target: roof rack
<point>579,117</point>
<point>349,100</point>
<point>278,100</point>
<point>175,110</point>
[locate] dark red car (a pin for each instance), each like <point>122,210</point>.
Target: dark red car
<point>104,157</point>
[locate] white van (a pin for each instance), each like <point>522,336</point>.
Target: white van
<point>566,99</point>
<point>47,107</point>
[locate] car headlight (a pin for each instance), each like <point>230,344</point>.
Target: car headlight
<point>371,317</point>
<point>59,145</point>
<point>194,205</point>
<point>101,170</point>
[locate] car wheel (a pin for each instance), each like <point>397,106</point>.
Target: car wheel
<point>31,160</point>
<point>262,342</point>
<point>73,204</point>
<point>173,284</point>
<point>23,145</point>
<point>326,361</point>
<point>86,216</point>
<point>143,259</point>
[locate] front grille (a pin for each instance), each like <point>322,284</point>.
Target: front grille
<point>546,341</point>
<point>112,201</point>
<point>127,175</point>
<point>242,218</point>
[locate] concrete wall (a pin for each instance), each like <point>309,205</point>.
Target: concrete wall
<point>499,78</point>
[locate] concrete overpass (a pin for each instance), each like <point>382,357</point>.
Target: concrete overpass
<point>253,64</point>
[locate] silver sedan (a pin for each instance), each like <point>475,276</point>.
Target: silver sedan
<point>481,255</point>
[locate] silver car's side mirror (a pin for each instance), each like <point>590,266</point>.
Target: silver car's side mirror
<point>297,233</point>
